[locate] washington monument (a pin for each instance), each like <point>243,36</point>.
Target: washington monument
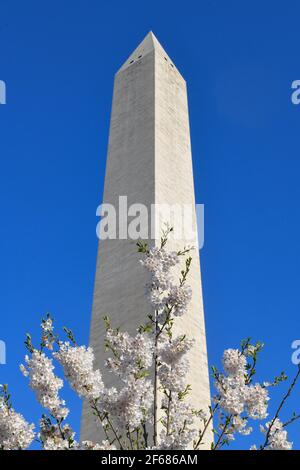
<point>149,161</point>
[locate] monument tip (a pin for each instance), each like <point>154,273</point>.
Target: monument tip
<point>148,44</point>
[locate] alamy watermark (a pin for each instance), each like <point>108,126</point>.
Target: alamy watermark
<point>295,96</point>
<point>2,92</point>
<point>137,221</point>
<point>2,353</point>
<point>296,354</point>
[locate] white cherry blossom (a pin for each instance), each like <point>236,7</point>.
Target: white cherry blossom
<point>46,385</point>
<point>15,432</point>
<point>77,362</point>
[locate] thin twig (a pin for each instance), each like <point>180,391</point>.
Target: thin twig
<point>155,381</point>
<point>287,423</point>
<point>212,412</point>
<point>219,441</point>
<point>266,443</point>
<point>145,434</point>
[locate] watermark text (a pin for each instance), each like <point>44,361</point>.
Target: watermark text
<point>2,92</point>
<point>295,96</point>
<point>2,353</point>
<point>138,221</point>
<point>296,354</point>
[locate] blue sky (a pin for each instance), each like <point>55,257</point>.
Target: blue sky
<point>58,60</point>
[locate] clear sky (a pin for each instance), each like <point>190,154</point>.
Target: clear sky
<point>58,60</point>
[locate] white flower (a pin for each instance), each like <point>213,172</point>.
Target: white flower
<point>77,362</point>
<point>160,260</point>
<point>232,392</point>
<point>47,325</point>
<point>267,384</point>
<point>130,406</point>
<point>256,401</point>
<point>235,396</point>
<point>55,437</point>
<point>172,351</point>
<point>174,364</point>
<point>250,350</point>
<point>131,353</point>
<point>15,432</point>
<point>88,445</point>
<point>159,263</point>
<point>181,429</point>
<point>179,297</point>
<point>234,362</point>
<point>277,437</point>
<point>39,368</point>
<point>173,378</point>
<point>240,425</point>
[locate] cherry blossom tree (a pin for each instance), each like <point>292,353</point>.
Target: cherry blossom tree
<point>149,408</point>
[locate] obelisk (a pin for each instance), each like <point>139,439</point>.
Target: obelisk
<point>149,161</point>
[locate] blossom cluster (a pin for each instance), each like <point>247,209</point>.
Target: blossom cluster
<point>171,299</point>
<point>174,363</point>
<point>89,445</point>
<point>131,354</point>
<point>178,427</point>
<point>151,392</point>
<point>277,439</point>
<point>181,430</point>
<point>78,366</point>
<point>236,395</point>
<point>162,291</point>
<point>48,337</point>
<point>132,358</point>
<point>46,385</point>
<point>130,406</point>
<point>15,432</point>
<point>159,263</point>
<point>56,436</point>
